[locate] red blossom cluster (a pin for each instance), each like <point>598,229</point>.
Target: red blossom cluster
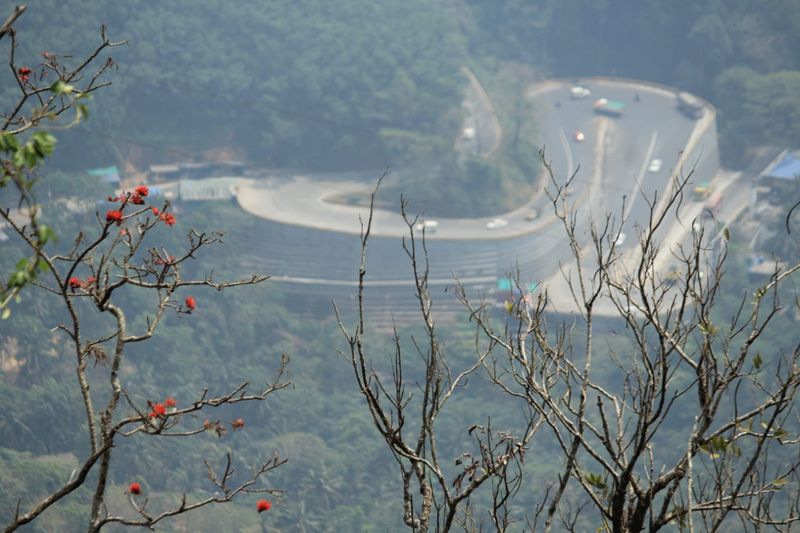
<point>135,488</point>
<point>136,198</point>
<point>75,283</point>
<point>168,219</point>
<point>238,423</point>
<point>191,303</point>
<point>263,505</point>
<point>114,215</point>
<point>24,73</point>
<point>159,409</point>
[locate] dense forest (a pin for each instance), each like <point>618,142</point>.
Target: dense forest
<point>314,85</point>
<point>322,85</point>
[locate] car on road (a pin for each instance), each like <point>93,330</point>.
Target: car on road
<point>655,165</point>
<point>579,136</point>
<point>578,92</point>
<point>533,214</point>
<point>496,223</point>
<point>468,133</point>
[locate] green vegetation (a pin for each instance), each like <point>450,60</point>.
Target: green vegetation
<point>309,84</point>
<point>351,84</point>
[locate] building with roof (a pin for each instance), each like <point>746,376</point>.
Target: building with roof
<point>106,174</point>
<point>778,182</point>
<point>777,188</point>
<point>207,189</point>
<point>195,170</point>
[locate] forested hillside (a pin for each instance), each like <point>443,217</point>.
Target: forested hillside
<point>308,84</point>
<point>325,86</point>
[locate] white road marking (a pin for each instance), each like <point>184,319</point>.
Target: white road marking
<point>640,178</point>
<point>568,152</point>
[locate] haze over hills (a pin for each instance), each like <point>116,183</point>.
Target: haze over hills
<point>318,87</point>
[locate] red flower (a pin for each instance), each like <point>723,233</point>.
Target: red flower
<point>263,505</point>
<point>191,303</point>
<point>75,283</point>
<point>142,190</point>
<point>168,218</point>
<point>155,211</point>
<point>24,73</point>
<point>135,488</point>
<point>136,199</point>
<point>170,401</point>
<point>158,410</point>
<point>114,215</point>
<point>90,280</point>
<point>238,423</point>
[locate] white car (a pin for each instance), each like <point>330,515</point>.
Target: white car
<point>496,223</point>
<point>578,92</point>
<point>655,165</point>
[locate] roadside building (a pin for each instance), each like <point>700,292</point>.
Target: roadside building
<point>207,189</point>
<point>228,168</point>
<point>776,191</point>
<point>108,175</point>
<point>156,173</point>
<point>195,170</point>
<point>778,182</point>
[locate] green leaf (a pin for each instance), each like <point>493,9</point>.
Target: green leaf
<point>718,443</point>
<point>7,313</point>
<point>18,159</point>
<point>43,142</point>
<point>45,234</point>
<point>8,142</point>
<point>726,234</point>
<point>82,112</point>
<point>60,87</point>
<point>596,480</point>
<point>19,279</point>
<point>757,361</point>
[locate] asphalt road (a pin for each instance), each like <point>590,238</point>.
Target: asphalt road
<point>650,128</point>
<point>611,176</point>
